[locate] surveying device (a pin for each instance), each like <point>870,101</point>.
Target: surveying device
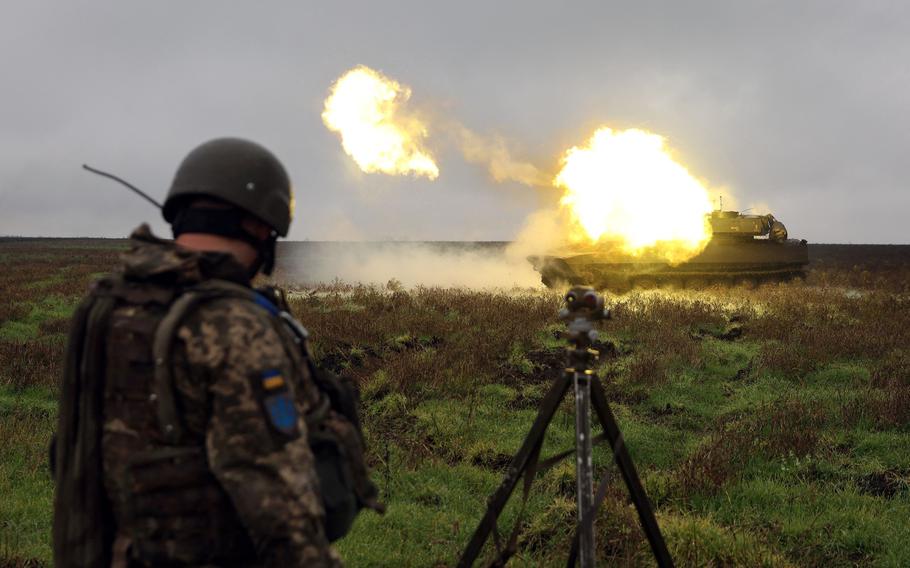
<point>584,307</point>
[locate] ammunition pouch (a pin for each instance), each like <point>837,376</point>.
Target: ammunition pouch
<point>337,444</point>
<point>176,513</point>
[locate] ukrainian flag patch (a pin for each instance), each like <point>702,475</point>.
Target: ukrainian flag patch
<point>278,404</point>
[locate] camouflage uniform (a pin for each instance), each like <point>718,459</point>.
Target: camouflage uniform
<point>241,487</point>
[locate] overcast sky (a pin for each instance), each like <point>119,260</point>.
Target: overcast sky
<point>801,106</point>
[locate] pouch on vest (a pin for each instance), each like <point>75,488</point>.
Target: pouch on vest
<point>336,440</point>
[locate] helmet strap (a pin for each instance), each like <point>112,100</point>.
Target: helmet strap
<point>266,260</point>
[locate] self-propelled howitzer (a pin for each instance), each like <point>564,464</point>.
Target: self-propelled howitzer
<point>742,248</point>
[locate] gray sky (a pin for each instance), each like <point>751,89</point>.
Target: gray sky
<point>801,106</point>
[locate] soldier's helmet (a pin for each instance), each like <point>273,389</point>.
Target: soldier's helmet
<point>239,172</point>
<point>778,232</point>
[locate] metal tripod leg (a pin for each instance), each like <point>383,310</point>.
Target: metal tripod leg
<point>630,475</point>
<point>529,448</point>
<point>584,468</point>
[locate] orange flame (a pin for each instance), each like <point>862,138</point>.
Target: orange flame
<point>625,188</point>
<point>368,110</point>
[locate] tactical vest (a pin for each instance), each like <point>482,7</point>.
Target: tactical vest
<point>165,500</point>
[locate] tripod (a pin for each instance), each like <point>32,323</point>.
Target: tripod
<point>583,308</point>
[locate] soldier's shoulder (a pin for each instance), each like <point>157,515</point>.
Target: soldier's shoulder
<point>230,316</point>
<point>229,330</point>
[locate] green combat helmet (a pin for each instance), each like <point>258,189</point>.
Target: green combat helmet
<point>242,174</point>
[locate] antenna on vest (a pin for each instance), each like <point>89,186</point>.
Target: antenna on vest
<point>138,191</point>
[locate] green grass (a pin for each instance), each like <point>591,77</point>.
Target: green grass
<point>824,527</point>
<point>44,310</point>
<point>431,509</point>
<point>27,420</point>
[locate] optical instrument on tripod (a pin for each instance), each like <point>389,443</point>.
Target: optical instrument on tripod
<point>584,307</point>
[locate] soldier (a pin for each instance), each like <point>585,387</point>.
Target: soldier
<point>194,428</point>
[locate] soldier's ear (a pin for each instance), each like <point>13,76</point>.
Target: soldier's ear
<point>256,228</point>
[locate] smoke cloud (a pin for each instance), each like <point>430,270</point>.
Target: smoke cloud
<point>379,131</point>
<point>493,153</point>
<point>477,265</point>
<point>543,230</point>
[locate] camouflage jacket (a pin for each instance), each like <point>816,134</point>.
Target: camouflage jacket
<point>228,358</point>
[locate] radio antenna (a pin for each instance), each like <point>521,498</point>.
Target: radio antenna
<point>138,191</point>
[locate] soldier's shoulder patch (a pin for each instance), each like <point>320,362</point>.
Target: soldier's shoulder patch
<point>278,403</point>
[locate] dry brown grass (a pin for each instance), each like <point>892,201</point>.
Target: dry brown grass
<point>30,363</point>
<point>19,562</point>
<point>784,428</point>
<point>37,272</point>
<point>879,408</point>
<point>423,340</point>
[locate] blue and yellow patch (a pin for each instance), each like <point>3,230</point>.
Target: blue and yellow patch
<point>278,403</point>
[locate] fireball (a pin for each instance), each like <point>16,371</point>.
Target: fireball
<point>368,110</point>
<point>624,188</point>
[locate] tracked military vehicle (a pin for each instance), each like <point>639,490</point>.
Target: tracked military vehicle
<point>750,248</point>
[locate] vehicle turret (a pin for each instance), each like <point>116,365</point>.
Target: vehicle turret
<point>733,224</point>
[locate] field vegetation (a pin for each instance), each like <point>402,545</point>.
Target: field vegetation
<point>770,424</point>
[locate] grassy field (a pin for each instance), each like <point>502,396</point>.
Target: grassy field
<point>770,424</point>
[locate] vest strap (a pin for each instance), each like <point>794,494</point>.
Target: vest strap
<point>169,421</point>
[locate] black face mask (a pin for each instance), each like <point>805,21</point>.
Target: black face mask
<point>227,223</point>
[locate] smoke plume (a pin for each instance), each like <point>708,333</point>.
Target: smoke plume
<point>493,153</point>
<point>477,265</point>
